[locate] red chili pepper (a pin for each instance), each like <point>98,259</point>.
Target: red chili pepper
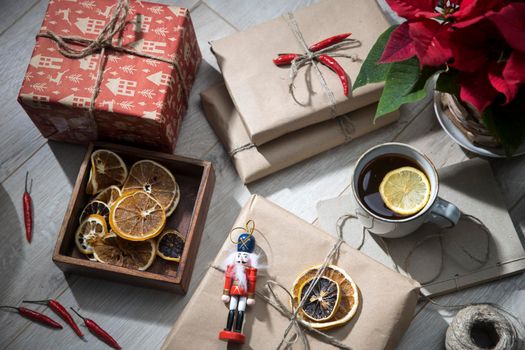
<point>329,42</point>
<point>28,211</point>
<point>98,331</point>
<point>284,58</point>
<point>35,316</point>
<point>61,311</point>
<point>331,63</point>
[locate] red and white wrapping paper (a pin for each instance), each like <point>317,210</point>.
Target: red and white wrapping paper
<point>141,101</point>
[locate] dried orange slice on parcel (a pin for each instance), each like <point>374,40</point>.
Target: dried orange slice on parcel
<point>116,251</point>
<point>337,312</point>
<point>323,301</point>
<point>156,180</point>
<point>137,216</point>
<point>107,169</point>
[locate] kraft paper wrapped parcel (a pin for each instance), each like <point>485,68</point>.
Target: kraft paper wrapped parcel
<point>259,89</point>
<point>290,245</point>
<point>254,162</point>
<point>259,123</point>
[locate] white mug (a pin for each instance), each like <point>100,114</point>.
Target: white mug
<point>437,210</point>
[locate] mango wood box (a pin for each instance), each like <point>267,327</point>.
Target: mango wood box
<point>196,180</point>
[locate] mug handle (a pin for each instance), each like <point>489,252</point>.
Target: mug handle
<point>444,214</point>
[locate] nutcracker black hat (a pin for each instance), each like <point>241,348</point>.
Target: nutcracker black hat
<point>246,243</point>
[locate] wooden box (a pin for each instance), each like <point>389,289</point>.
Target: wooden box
<point>196,180</point>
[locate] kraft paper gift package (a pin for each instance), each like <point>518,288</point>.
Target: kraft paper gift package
<point>262,126</point>
<point>289,245</point>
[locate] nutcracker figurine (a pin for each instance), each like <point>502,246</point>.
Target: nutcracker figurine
<point>239,287</point>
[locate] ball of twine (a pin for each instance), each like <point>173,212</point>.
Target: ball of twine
<point>481,327</point>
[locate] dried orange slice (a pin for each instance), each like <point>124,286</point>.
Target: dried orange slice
<point>170,245</point>
<point>90,230</point>
<point>405,191</point>
<point>323,301</point>
<point>155,179</point>
<point>109,195</point>
<point>95,207</point>
<point>343,311</point>
<point>116,251</point>
<point>107,169</point>
<point>137,216</point>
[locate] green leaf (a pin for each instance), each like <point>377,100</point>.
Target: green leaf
<point>371,71</point>
<point>447,82</point>
<point>405,83</point>
<point>506,123</point>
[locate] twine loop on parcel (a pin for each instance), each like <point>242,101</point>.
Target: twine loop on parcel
<point>310,58</point>
<point>67,46</point>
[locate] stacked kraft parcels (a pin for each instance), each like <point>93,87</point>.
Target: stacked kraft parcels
<point>262,125</point>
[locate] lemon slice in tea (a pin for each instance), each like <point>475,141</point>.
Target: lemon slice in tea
<point>348,301</point>
<point>156,180</point>
<point>405,191</point>
<point>91,230</point>
<point>116,251</point>
<point>170,245</point>
<point>107,169</point>
<point>95,207</point>
<point>323,301</point>
<point>109,195</point>
<point>137,216</point>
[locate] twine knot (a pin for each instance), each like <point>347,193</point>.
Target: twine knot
<point>322,52</point>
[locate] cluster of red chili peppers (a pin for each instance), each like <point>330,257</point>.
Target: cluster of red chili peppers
<point>327,60</point>
<point>61,311</point>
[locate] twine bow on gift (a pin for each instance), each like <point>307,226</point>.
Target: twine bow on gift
<point>322,52</point>
<point>76,47</point>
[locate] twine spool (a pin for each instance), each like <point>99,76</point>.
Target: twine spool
<point>481,327</point>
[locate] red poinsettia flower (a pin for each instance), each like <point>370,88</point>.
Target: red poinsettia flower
<point>476,50</point>
<point>483,39</point>
<point>510,22</point>
<point>427,30</point>
<point>488,55</point>
<point>451,10</point>
<point>428,39</point>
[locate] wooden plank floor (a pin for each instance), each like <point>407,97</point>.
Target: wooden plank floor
<point>141,318</point>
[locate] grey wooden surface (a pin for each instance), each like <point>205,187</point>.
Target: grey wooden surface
<point>140,318</point>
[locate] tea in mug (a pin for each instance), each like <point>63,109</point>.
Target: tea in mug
<point>371,177</point>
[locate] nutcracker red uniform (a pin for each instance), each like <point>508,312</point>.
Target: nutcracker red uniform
<point>233,285</point>
<point>239,287</point>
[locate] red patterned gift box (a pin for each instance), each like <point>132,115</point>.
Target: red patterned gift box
<point>144,72</point>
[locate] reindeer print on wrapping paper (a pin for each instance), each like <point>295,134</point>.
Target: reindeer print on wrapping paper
<point>58,77</point>
<point>65,15</point>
